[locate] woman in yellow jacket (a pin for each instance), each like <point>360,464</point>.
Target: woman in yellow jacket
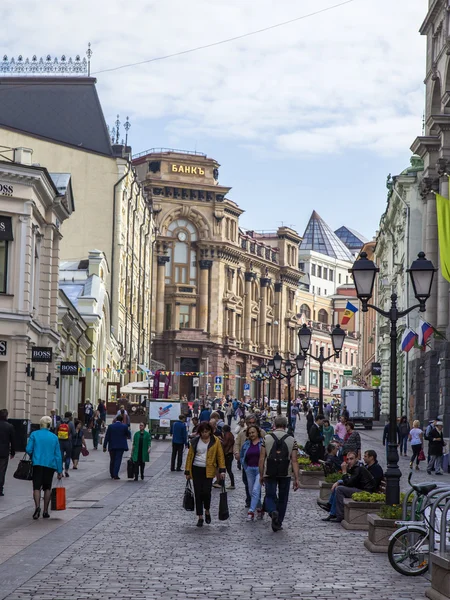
<point>205,456</point>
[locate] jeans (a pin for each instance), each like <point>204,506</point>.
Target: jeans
<point>115,460</point>
<point>293,422</point>
<point>177,454</point>
<point>245,482</point>
<point>229,466</point>
<point>416,448</point>
<point>229,418</point>
<point>3,467</point>
<point>271,501</point>
<point>66,452</point>
<point>202,489</point>
<point>343,492</point>
<point>254,487</point>
<point>95,434</point>
<point>436,462</point>
<point>332,501</point>
<point>403,444</point>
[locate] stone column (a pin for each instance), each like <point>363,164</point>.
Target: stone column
<point>160,288</point>
<point>442,284</point>
<point>431,251</point>
<point>232,323</point>
<point>176,317</point>
<point>265,282</point>
<point>204,265</point>
<point>249,277</point>
<point>193,317</point>
<point>278,316</point>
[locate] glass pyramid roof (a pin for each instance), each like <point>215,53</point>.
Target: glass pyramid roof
<point>321,238</point>
<point>351,238</point>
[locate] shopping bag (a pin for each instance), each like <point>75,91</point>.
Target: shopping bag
<point>224,513</point>
<point>24,469</point>
<point>130,469</point>
<point>188,498</point>
<point>84,451</point>
<point>58,501</point>
<point>421,455</point>
<point>445,463</point>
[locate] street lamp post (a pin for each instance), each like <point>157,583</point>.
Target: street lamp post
<point>260,374</point>
<point>337,338</point>
<point>421,272</point>
<point>275,367</point>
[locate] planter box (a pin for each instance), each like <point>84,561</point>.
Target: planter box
<point>325,491</point>
<point>356,513</point>
<point>310,480</point>
<point>440,577</point>
<point>380,530</point>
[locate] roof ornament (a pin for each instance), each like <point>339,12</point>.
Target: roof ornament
<point>44,67</point>
<point>89,53</point>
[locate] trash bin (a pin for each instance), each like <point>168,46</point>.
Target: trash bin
<point>21,433</point>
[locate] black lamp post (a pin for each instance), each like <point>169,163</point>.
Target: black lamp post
<point>337,338</point>
<point>260,374</point>
<point>275,367</point>
<point>421,272</point>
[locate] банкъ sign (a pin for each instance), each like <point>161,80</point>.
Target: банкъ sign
<point>44,355</point>
<point>188,170</point>
<point>68,368</point>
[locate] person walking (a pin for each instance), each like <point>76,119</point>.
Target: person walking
<point>44,448</point>
<point>140,450</point>
<point>416,440</point>
<point>7,446</point>
<point>436,449</point>
<point>295,412</point>
<point>327,432</point>
<point>229,413</point>
<point>78,442</point>
<point>340,429</point>
<point>102,410</point>
<point>96,427</point>
<point>88,412</point>
<point>205,456</point>
<point>56,420</point>
<point>65,433</point>
<point>228,445</point>
<point>205,414</point>
<point>386,436</point>
<point>179,442</point>
<point>239,442</point>
<point>250,453</point>
<point>403,428</point>
<point>309,420</point>
<point>115,441</point>
<point>277,464</point>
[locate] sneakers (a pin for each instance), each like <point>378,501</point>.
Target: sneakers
<point>231,487</point>
<point>276,526</point>
<point>250,515</point>
<point>330,518</point>
<point>217,485</point>
<point>66,473</point>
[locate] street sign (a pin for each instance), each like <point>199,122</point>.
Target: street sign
<point>218,380</point>
<point>376,381</point>
<point>196,381</point>
<point>218,387</point>
<point>246,387</point>
<point>348,372</point>
<point>246,392</point>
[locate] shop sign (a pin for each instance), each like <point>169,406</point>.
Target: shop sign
<point>44,355</point>
<point>189,170</point>
<point>6,189</point>
<point>6,233</point>
<point>3,347</point>
<point>376,368</point>
<point>68,368</point>
<point>376,381</point>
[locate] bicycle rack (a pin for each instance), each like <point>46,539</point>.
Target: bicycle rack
<point>414,501</point>
<point>439,497</point>
<point>443,540</point>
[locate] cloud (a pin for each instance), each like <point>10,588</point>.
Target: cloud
<point>349,78</point>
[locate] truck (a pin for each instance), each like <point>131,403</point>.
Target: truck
<point>362,405</point>
<point>161,416</point>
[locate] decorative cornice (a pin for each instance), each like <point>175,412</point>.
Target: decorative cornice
<point>162,260</point>
<point>265,281</point>
<point>47,66</point>
<point>249,276</point>
<point>424,144</point>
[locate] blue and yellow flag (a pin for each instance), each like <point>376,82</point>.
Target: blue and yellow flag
<point>350,310</point>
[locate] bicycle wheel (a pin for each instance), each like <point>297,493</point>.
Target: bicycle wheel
<point>408,551</point>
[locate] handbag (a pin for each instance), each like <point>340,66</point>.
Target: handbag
<point>224,513</point>
<point>130,468</point>
<point>188,498</point>
<point>84,451</point>
<point>58,501</point>
<point>24,469</point>
<point>421,455</point>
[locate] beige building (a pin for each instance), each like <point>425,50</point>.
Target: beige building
<point>60,118</point>
<point>224,297</point>
<point>33,206</point>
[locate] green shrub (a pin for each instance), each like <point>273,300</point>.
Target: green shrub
<point>303,460</point>
<point>312,467</point>
<point>391,512</point>
<point>368,497</point>
<point>333,477</point>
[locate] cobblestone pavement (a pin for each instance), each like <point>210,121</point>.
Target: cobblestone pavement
<point>146,548</point>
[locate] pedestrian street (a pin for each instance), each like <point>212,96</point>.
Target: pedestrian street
<point>140,544</point>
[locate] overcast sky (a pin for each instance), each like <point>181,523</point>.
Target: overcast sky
<point>311,115</point>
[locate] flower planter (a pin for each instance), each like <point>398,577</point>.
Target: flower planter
<point>440,577</point>
<point>356,513</point>
<point>380,530</point>
<point>325,490</point>
<point>310,480</point>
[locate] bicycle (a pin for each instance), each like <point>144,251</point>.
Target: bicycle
<point>408,550</point>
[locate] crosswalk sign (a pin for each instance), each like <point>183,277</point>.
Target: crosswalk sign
<point>218,388</point>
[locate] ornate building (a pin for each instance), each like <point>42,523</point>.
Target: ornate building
<point>224,297</point>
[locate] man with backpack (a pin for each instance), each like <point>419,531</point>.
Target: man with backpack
<point>277,464</point>
<point>65,433</point>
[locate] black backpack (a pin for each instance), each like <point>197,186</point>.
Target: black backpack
<point>279,457</point>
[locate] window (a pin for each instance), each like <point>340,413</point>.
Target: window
<point>313,270</point>
<point>3,265</point>
<point>326,381</point>
<point>325,273</point>
<point>313,378</point>
<point>324,292</point>
<point>168,318</point>
<point>305,311</point>
<point>323,316</point>
<point>346,279</point>
<point>351,359</point>
<point>184,316</point>
<point>330,275</point>
<point>319,271</point>
<point>318,291</point>
<point>182,267</point>
<point>301,266</point>
<point>339,276</point>
<point>313,289</point>
<point>346,357</point>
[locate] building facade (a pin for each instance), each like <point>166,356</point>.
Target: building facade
<point>224,297</point>
<point>33,206</point>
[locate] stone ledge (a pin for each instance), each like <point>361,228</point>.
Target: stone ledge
<point>356,513</point>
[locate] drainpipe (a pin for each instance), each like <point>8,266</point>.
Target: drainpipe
<point>152,259</point>
<point>136,200</point>
<point>140,293</point>
<point>125,347</point>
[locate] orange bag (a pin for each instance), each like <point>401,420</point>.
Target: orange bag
<point>59,498</point>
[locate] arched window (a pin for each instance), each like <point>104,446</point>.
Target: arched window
<point>240,287</point>
<point>323,316</point>
<point>182,267</point>
<point>306,311</point>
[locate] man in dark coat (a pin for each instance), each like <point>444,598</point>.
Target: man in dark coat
<point>436,448</point>
<point>315,436</point>
<point>7,446</point>
<point>115,441</point>
<point>374,467</point>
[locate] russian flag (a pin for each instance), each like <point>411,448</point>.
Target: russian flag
<point>408,339</point>
<point>425,332</point>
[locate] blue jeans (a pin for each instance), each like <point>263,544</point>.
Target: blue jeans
<point>115,460</point>
<point>254,487</point>
<point>404,444</point>
<point>280,504</point>
<point>332,501</point>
